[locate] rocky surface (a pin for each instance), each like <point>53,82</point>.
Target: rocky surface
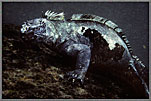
<point>32,70</point>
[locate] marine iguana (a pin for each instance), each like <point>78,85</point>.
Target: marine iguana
<point>94,41</point>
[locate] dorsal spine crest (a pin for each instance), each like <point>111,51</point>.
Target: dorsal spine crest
<point>54,16</point>
<point>106,22</point>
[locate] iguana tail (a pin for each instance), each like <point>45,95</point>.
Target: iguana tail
<point>142,72</point>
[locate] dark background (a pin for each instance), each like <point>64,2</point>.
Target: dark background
<point>133,18</point>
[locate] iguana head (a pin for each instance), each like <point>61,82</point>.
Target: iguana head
<point>35,29</point>
<point>36,25</point>
<point>43,27</point>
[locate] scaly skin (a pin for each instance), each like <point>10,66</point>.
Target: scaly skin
<point>93,41</point>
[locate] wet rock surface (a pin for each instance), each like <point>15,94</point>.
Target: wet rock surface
<point>32,70</point>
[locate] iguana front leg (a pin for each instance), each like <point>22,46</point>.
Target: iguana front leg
<point>83,54</point>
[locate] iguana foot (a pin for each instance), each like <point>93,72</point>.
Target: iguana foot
<point>76,77</point>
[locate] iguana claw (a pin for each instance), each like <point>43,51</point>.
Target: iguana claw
<point>76,78</point>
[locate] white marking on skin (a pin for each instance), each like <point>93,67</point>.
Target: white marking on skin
<point>51,34</point>
<point>22,30</point>
<point>110,41</point>
<point>46,34</point>
<point>74,34</point>
<point>69,48</point>
<point>68,27</point>
<point>56,36</point>
<point>24,25</point>
<point>79,30</point>
<point>109,35</point>
<point>44,20</point>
